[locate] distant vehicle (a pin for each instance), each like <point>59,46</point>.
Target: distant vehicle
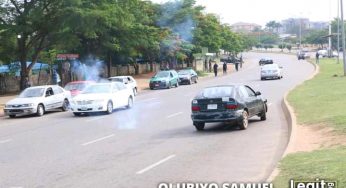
<point>76,87</point>
<point>302,55</point>
<point>37,100</point>
<point>227,103</point>
<point>271,71</point>
<point>265,61</point>
<point>164,79</point>
<point>188,76</point>
<point>129,81</point>
<point>324,53</point>
<point>102,97</point>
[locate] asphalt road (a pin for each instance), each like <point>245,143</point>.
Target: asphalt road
<point>153,142</point>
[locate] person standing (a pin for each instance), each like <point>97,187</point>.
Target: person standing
<point>209,65</point>
<point>27,82</point>
<point>241,61</point>
<point>215,69</point>
<point>317,58</point>
<point>236,63</point>
<point>224,68</point>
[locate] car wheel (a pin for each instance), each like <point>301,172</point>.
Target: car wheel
<point>65,105</point>
<point>244,121</point>
<point>190,81</point>
<point>135,91</point>
<point>130,102</point>
<point>169,85</point>
<point>263,115</point>
<point>151,88</point>
<point>199,125</point>
<point>40,110</point>
<point>196,80</point>
<point>109,107</point>
<point>12,116</point>
<point>177,84</point>
<point>76,114</point>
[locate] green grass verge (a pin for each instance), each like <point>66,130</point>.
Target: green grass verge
<point>320,101</point>
<point>327,164</point>
<point>202,73</point>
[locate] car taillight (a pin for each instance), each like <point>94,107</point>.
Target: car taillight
<point>231,106</point>
<point>196,108</point>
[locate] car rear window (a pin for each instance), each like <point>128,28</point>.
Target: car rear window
<point>216,92</point>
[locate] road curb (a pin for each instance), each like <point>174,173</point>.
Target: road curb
<point>292,121</point>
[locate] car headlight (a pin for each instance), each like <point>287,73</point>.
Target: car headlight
<point>194,102</point>
<point>8,106</point>
<point>28,105</point>
<point>98,101</point>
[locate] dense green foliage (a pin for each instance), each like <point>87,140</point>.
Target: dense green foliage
<point>117,31</point>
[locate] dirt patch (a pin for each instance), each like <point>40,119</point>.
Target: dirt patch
<point>309,138</point>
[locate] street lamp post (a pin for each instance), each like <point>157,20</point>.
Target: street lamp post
<point>343,36</point>
<point>338,31</point>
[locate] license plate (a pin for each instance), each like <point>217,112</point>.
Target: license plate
<point>156,84</point>
<point>212,106</point>
<point>84,108</point>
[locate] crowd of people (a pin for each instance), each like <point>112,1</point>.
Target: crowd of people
<point>237,64</point>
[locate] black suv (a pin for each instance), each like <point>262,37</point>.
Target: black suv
<point>265,61</point>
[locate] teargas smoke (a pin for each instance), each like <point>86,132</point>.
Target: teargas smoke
<point>183,27</point>
<point>90,68</point>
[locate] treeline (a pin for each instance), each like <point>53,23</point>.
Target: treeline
<point>116,31</point>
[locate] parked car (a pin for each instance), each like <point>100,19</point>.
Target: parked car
<point>37,100</point>
<point>76,87</point>
<point>265,61</point>
<point>164,79</point>
<point>227,103</point>
<point>187,76</point>
<point>302,55</point>
<point>273,71</point>
<point>129,81</point>
<point>102,97</point>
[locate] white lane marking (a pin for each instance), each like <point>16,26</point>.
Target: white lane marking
<point>146,100</point>
<point>175,114</point>
<point>5,141</point>
<point>155,164</point>
<point>97,140</point>
<point>94,119</point>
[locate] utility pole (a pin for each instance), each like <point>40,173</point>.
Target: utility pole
<point>338,31</point>
<point>343,36</point>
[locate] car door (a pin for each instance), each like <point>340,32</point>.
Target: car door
<point>256,100</point>
<point>248,100</point>
<point>122,94</point>
<point>49,100</point>
<point>59,96</point>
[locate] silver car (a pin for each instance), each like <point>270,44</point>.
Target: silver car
<point>271,71</point>
<point>37,100</point>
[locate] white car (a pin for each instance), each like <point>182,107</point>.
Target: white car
<point>271,71</point>
<point>129,81</point>
<point>38,100</point>
<point>102,97</point>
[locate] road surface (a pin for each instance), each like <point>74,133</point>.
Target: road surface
<point>151,143</point>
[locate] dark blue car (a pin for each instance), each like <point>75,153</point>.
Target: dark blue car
<point>227,103</point>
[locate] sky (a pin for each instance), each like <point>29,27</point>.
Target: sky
<point>263,11</point>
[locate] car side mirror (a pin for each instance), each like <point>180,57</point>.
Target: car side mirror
<point>258,93</point>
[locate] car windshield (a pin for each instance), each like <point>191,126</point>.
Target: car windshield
<point>75,86</point>
<point>32,92</point>
<point>270,67</point>
<point>116,79</point>
<point>217,92</point>
<point>104,88</point>
<point>184,72</point>
<point>162,74</point>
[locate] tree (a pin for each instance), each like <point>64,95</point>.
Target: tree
<point>34,23</point>
<point>316,37</point>
<point>208,33</point>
